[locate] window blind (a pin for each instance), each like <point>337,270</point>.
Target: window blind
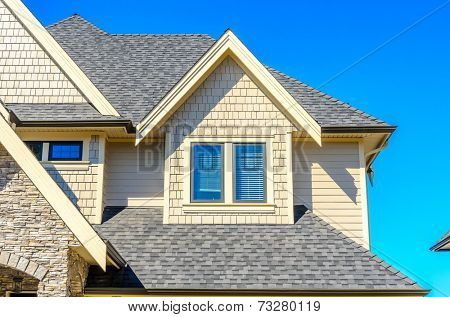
<point>249,172</point>
<point>207,172</point>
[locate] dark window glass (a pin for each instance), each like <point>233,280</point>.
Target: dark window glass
<point>249,176</point>
<point>207,172</point>
<point>65,151</point>
<point>36,148</point>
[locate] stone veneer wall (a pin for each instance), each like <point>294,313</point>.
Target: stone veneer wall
<point>27,74</point>
<point>80,185</point>
<point>32,230</point>
<point>228,103</point>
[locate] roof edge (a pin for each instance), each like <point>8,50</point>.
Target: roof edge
<point>438,246</point>
<point>361,129</point>
<point>127,124</point>
<point>255,292</point>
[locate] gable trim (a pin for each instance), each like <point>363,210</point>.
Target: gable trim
<point>54,195</point>
<point>228,45</point>
<point>3,111</point>
<point>60,57</point>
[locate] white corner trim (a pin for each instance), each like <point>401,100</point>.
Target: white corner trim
<point>60,57</point>
<point>229,45</point>
<point>364,198</point>
<point>167,156</point>
<point>290,177</point>
<point>101,180</point>
<point>3,111</point>
<point>54,195</point>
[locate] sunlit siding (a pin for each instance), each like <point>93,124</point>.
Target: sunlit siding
<point>327,180</point>
<point>135,174</point>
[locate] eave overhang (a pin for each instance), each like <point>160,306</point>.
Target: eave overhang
<point>254,292</point>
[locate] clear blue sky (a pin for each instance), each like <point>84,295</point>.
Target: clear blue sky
<point>406,83</point>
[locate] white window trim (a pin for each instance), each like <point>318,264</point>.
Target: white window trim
<point>46,138</point>
<point>228,205</point>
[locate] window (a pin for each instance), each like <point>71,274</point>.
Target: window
<point>249,173</point>
<point>36,148</point>
<point>207,172</point>
<point>65,151</point>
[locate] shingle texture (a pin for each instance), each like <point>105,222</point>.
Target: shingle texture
<point>135,71</point>
<point>309,255</point>
<point>58,112</point>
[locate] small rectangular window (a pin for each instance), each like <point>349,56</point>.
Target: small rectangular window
<point>207,172</point>
<point>36,148</point>
<point>249,176</point>
<point>65,151</point>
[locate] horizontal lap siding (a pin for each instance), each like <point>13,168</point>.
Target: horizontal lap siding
<point>327,180</point>
<point>134,175</point>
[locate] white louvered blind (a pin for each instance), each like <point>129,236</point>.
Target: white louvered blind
<point>249,172</point>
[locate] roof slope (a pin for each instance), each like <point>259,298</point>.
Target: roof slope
<point>58,112</point>
<point>135,71</point>
<point>309,255</point>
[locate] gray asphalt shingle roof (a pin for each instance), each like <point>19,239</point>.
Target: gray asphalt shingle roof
<point>310,255</point>
<point>134,71</point>
<point>58,112</point>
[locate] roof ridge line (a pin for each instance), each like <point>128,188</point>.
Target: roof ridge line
<point>159,34</point>
<point>62,20</point>
<point>371,255</point>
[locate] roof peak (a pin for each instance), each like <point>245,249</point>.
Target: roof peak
<point>76,17</point>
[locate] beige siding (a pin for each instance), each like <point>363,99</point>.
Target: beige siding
<point>228,104</point>
<point>327,180</point>
<point>80,183</point>
<point>135,174</point>
<point>27,74</point>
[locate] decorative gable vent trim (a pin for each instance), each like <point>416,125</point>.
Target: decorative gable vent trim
<point>228,45</point>
<point>60,57</point>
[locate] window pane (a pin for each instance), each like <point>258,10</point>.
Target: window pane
<point>249,172</point>
<point>36,148</point>
<point>207,172</point>
<point>62,151</point>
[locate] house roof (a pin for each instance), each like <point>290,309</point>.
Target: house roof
<point>443,243</point>
<point>135,71</point>
<point>309,255</point>
<point>58,112</point>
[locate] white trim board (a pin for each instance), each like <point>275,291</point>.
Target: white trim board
<point>54,195</point>
<point>60,57</point>
<point>3,111</point>
<point>229,45</point>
